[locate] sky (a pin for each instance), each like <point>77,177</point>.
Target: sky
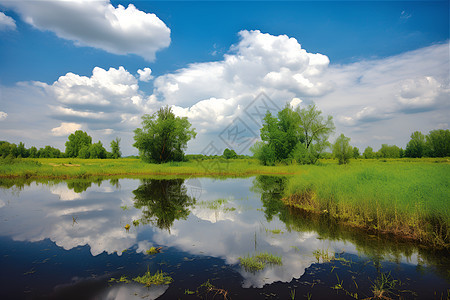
<point>380,68</point>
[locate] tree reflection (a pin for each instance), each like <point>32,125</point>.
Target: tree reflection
<point>271,189</point>
<point>162,201</point>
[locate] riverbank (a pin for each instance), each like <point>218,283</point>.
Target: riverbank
<point>404,197</point>
<point>407,200</point>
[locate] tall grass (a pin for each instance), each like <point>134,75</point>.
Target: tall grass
<point>407,199</point>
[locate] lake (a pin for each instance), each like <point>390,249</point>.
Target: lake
<point>67,240</point>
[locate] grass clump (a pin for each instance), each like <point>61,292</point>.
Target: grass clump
<point>259,261</point>
<point>156,279</point>
<point>153,250</point>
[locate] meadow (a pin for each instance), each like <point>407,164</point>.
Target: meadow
<point>407,198</point>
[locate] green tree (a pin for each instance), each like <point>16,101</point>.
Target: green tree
<point>389,151</point>
<point>368,153</point>
<point>33,152</point>
<point>163,137</point>
<point>97,150</point>
<point>356,153</point>
<point>21,150</point>
<point>76,141</point>
<point>300,134</point>
<point>227,153</point>
<point>115,148</point>
<point>438,143</point>
<point>342,149</point>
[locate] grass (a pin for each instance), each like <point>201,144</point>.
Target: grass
<point>65,168</point>
<point>407,199</point>
<point>259,261</point>
<point>156,279</point>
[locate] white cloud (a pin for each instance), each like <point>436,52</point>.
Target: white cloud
<point>145,75</point>
<point>3,115</point>
<point>98,24</point>
<point>65,129</point>
<point>260,61</point>
<point>6,22</point>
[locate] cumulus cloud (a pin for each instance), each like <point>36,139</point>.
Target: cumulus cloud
<point>145,74</point>
<point>107,100</point>
<point>260,61</point>
<point>98,24</point>
<point>65,129</point>
<point>3,115</point>
<point>6,22</point>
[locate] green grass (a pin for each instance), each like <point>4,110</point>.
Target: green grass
<point>65,168</point>
<point>406,198</point>
<point>156,279</point>
<point>259,261</point>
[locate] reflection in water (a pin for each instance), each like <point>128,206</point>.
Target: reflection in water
<point>162,201</point>
<point>230,218</point>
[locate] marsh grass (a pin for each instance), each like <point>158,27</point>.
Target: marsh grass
<point>156,279</point>
<point>406,199</point>
<point>259,261</point>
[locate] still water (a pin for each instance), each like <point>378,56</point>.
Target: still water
<point>67,240</point>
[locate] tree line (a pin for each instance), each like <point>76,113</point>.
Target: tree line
<point>79,145</point>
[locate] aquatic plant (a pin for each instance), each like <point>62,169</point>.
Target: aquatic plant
<point>323,254</point>
<point>156,279</point>
<point>259,261</point>
<point>207,288</point>
<point>383,285</point>
<point>153,250</point>
<point>127,227</point>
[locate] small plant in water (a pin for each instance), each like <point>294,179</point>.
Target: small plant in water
<point>258,261</point>
<point>127,227</point>
<point>121,279</point>
<point>383,286</point>
<point>207,288</point>
<point>156,279</point>
<point>324,255</point>
<point>153,250</point>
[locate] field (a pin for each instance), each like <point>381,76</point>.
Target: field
<point>408,198</point>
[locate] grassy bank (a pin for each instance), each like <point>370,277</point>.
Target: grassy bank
<point>65,168</point>
<point>408,199</point>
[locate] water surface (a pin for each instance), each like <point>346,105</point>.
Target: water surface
<point>66,240</point>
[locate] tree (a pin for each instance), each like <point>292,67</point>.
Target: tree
<point>76,141</point>
<point>300,134</point>
<point>342,149</point>
<point>389,151</point>
<point>416,146</point>
<point>163,137</point>
<point>368,153</point>
<point>227,153</point>
<point>438,143</point>
<point>97,150</point>
<point>115,148</point>
<point>356,153</point>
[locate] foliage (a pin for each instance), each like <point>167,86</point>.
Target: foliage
<point>115,148</point>
<point>389,151</point>
<point>342,149</point>
<point>227,154</point>
<point>163,137</point>
<point>368,153</point>
<point>356,153</point>
<point>438,143</point>
<point>76,141</point>
<point>416,146</point>
<point>300,134</point>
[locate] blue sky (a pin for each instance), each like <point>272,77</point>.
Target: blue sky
<point>381,69</point>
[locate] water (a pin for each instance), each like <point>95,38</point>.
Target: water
<point>67,240</point>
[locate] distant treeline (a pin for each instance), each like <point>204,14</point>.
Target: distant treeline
<point>435,144</point>
<point>79,145</point>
